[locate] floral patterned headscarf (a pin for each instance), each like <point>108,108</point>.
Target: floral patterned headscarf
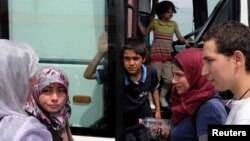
<point>47,76</point>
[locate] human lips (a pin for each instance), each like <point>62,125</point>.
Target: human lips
<point>132,69</point>
<point>210,79</point>
<point>53,106</point>
<point>177,88</point>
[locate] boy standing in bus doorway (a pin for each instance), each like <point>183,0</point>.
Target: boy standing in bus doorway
<point>140,81</point>
<point>226,54</point>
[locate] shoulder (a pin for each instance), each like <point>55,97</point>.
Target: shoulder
<point>214,105</point>
<point>150,76</point>
<point>14,122</point>
<point>32,129</point>
<point>239,112</point>
<point>174,23</point>
<point>24,127</point>
<point>153,22</point>
<point>213,111</point>
<point>11,124</point>
<point>150,69</point>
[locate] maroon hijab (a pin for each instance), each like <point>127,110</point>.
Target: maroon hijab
<point>200,90</point>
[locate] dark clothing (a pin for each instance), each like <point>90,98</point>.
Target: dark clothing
<point>136,103</point>
<point>139,134</point>
<point>144,17</point>
<point>55,134</point>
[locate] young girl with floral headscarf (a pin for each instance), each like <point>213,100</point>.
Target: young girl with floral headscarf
<point>50,102</point>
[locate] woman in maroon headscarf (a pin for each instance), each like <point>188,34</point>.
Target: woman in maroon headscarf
<point>195,104</point>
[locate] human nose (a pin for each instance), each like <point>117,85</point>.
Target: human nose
<point>174,80</point>
<point>131,62</point>
<point>54,95</point>
<point>204,71</point>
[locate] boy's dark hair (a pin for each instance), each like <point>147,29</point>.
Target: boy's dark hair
<point>229,37</point>
<point>163,7</point>
<point>137,45</point>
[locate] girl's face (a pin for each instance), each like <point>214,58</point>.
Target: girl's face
<point>168,15</point>
<point>179,80</point>
<point>53,97</point>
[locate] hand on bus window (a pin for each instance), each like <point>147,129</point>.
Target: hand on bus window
<point>103,43</point>
<point>90,72</point>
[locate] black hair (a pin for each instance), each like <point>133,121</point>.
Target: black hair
<point>136,44</point>
<point>177,63</point>
<point>163,7</point>
<point>229,37</point>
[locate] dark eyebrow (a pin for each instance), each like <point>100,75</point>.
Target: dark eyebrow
<point>48,87</point>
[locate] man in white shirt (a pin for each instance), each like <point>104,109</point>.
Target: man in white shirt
<point>226,54</point>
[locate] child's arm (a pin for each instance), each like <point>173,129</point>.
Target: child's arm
<point>155,95</point>
<point>144,31</point>
<point>152,15</point>
<point>90,72</point>
<point>180,38</point>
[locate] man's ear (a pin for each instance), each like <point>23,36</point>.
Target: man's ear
<point>239,58</point>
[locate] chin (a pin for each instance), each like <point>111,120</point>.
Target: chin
<point>219,88</point>
<point>53,111</point>
<point>179,92</point>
